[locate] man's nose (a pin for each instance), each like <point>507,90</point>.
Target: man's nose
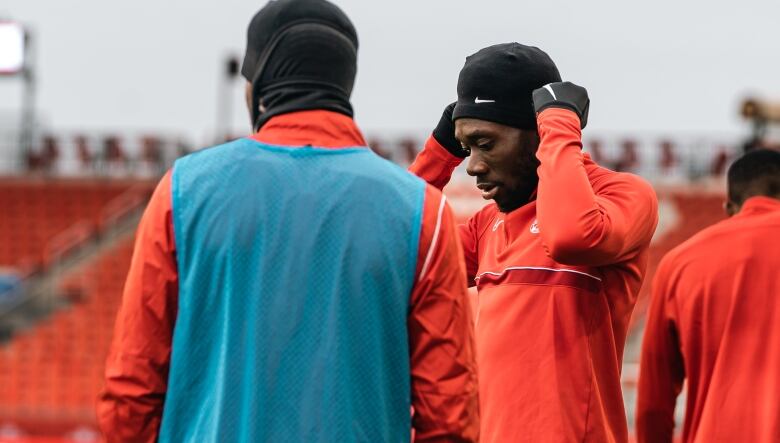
<point>476,165</point>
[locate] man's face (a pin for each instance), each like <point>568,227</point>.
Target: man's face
<point>503,159</point>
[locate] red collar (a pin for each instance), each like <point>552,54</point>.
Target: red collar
<point>759,205</point>
<point>319,128</point>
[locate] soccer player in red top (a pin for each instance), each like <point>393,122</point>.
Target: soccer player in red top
<point>714,321</point>
<point>558,258</point>
<point>292,286</point>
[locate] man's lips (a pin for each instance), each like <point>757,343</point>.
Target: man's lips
<point>489,190</point>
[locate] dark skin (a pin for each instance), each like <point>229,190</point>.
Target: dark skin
<point>248,96</point>
<point>732,208</point>
<point>734,203</point>
<point>502,158</point>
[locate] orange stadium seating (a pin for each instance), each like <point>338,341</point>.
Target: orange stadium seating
<point>33,212</point>
<point>695,211</point>
<point>52,373</point>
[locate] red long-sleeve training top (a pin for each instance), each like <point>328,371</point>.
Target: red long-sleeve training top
<point>714,321</point>
<point>557,280</point>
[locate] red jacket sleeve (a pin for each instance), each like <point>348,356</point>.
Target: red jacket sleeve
<point>469,236</point>
<point>662,370</point>
<point>443,369</point>
<point>130,407</point>
<point>435,165</point>
<point>580,225</point>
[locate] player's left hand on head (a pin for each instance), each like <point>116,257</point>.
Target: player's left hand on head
<point>444,133</point>
<point>564,95</point>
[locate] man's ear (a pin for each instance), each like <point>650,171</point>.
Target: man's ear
<point>731,208</point>
<point>530,139</point>
<point>248,97</point>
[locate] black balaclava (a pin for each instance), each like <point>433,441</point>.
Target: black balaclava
<point>300,54</point>
<point>497,82</point>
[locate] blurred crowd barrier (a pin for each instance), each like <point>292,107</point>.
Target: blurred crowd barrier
<point>662,160</point>
<point>674,160</point>
<point>96,155</point>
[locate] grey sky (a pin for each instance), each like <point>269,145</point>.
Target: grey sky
<point>663,66</point>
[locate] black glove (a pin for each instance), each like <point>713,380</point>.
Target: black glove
<point>444,133</point>
<point>565,95</point>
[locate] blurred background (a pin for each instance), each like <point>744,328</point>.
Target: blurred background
<point>97,99</point>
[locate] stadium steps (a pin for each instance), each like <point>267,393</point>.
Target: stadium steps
<point>51,368</point>
<point>56,288</point>
<point>36,210</point>
<point>48,226</point>
<point>52,371</point>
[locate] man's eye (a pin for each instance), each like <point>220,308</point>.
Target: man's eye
<point>484,145</point>
<point>465,148</point>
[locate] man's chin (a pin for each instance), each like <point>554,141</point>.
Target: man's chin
<point>508,204</point>
<point>490,194</point>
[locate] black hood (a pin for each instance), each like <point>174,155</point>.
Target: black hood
<point>300,54</point>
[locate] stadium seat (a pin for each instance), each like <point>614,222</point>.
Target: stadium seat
<point>54,371</point>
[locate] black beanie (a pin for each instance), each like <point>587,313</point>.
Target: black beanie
<point>300,54</point>
<point>497,82</point>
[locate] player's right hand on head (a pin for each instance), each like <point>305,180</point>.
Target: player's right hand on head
<point>444,133</point>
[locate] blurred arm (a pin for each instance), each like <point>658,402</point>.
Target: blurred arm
<point>662,371</point>
<point>444,378</point>
<point>130,408</point>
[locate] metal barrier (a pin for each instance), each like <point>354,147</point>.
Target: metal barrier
<point>67,244</point>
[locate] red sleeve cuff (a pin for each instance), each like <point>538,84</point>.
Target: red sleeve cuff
<point>440,152</point>
<point>559,114</point>
<point>434,164</point>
